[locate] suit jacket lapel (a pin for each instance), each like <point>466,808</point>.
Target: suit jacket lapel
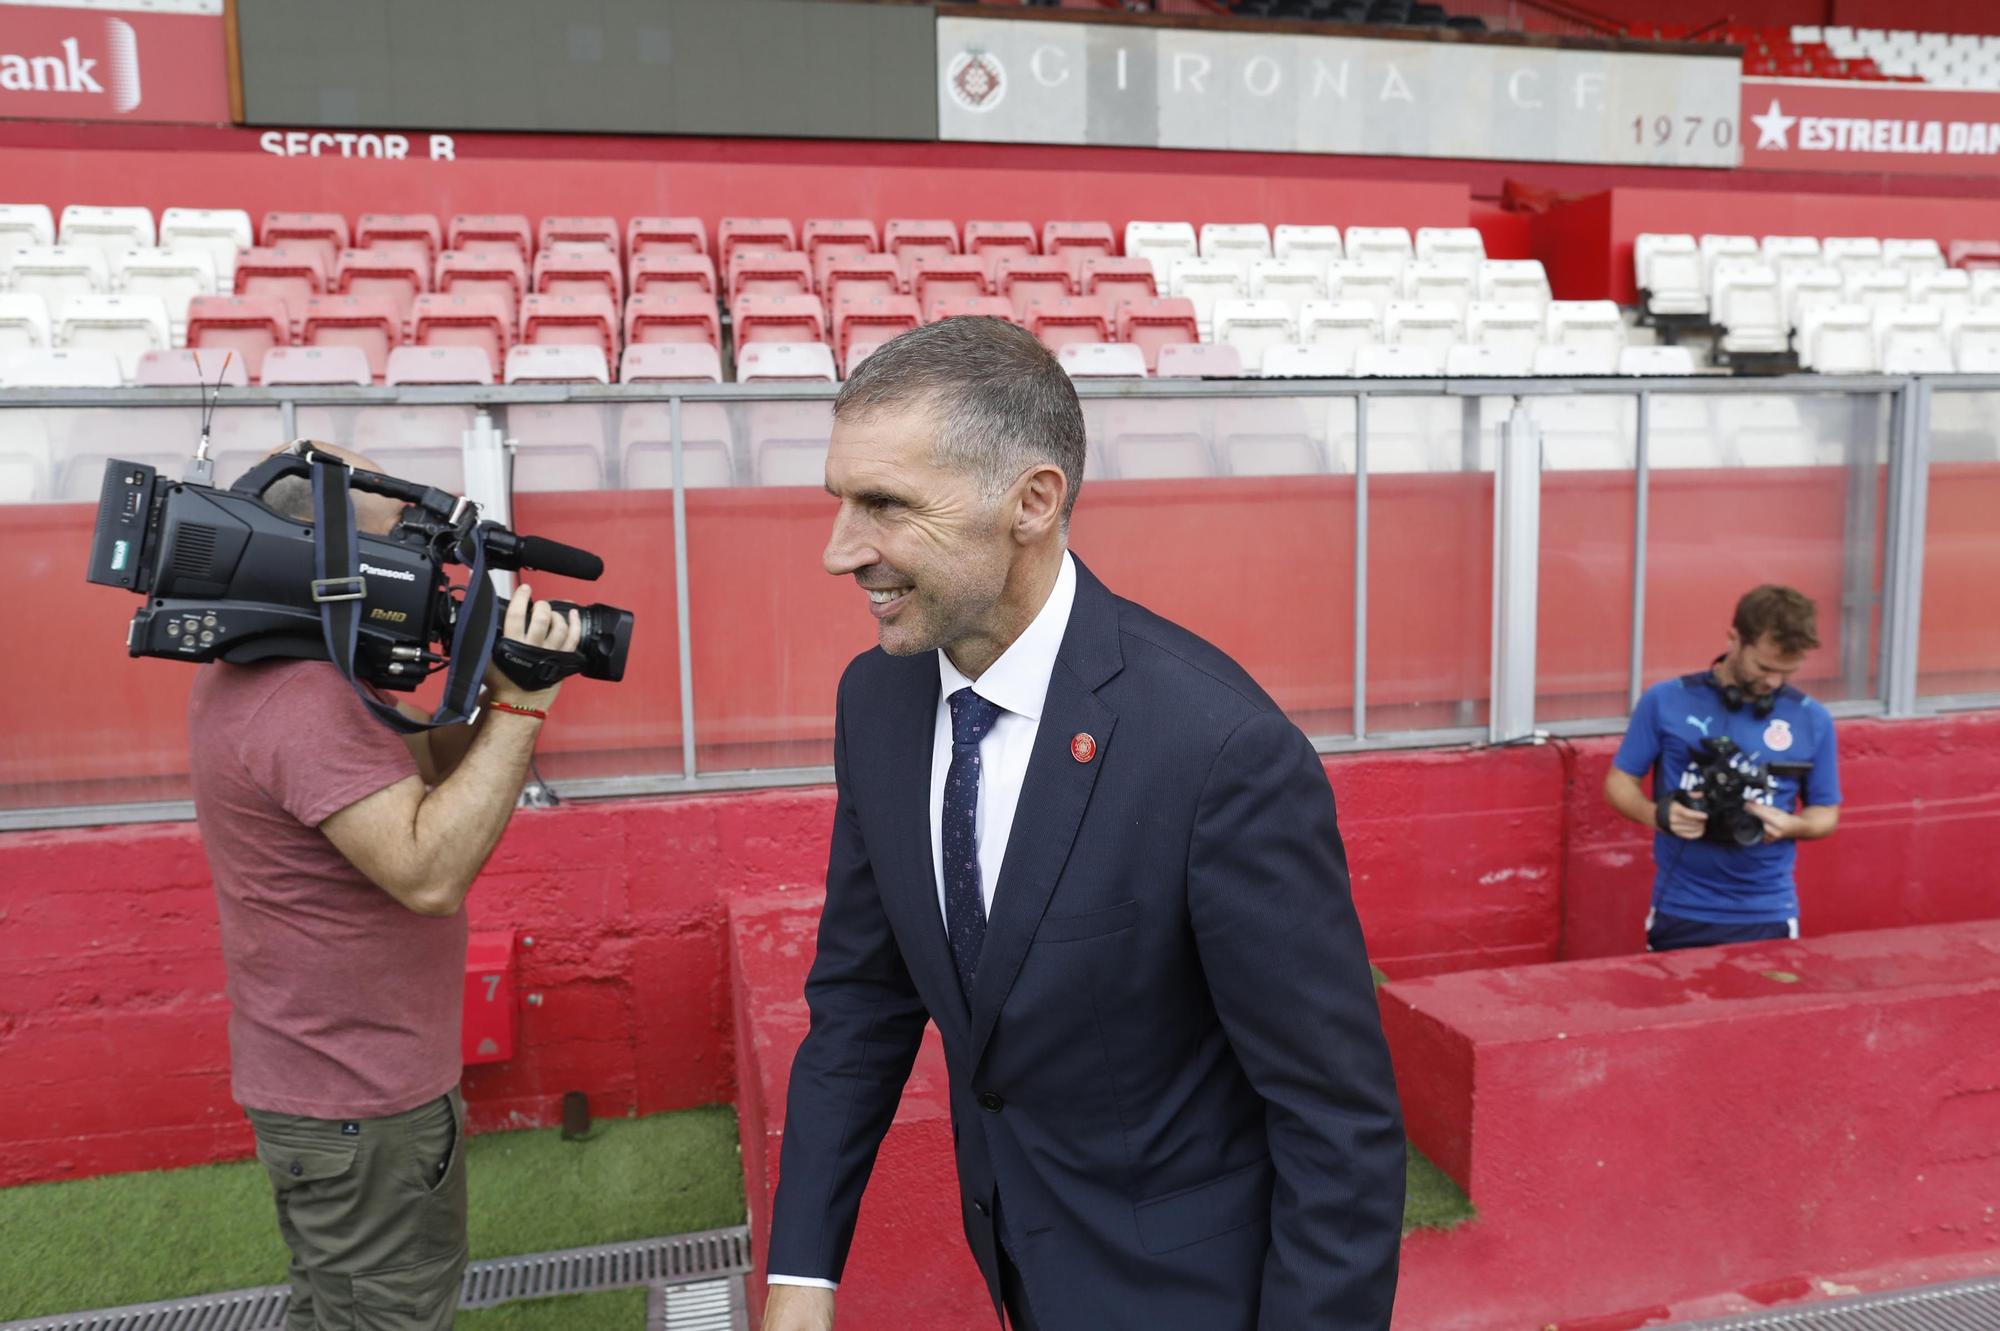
<point>1053,797</point>
<point>905,875</point>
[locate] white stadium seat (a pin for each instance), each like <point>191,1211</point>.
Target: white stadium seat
<point>1803,287</point>
<point>1455,284</point>
<point>1361,279</point>
<point>1458,246</point>
<point>1748,303</point>
<point>1316,244</point>
<point>1102,360</point>
<point>1787,252</point>
<point>1490,324</point>
<point>1655,360</point>
<point>306,366</point>
<point>1852,254</point>
<point>1493,361</point>
<point>1347,325</point>
<point>1514,282</point>
<point>24,322</point>
<point>1254,326</point>
<point>572,363</point>
<point>1560,362</point>
<point>87,368</point>
<point>1838,339</point>
<point>1161,243</point>
<point>126,326</point>
<point>1388,245</point>
<point>183,367</point>
<point>1669,274</point>
<point>1411,362</point>
<point>1946,287</point>
<point>26,226</point>
<point>1206,281</point>
<point>1910,339</point>
<point>107,229</point>
<point>1439,325</point>
<point>175,276</point>
<point>56,273</point>
<point>1199,360</point>
<point>1294,281</point>
<point>1986,286</point>
<point>670,362</point>
<point>1975,342</point>
<point>1302,362</point>
<point>1913,256</point>
<point>1585,323</point>
<point>1240,243</point>
<point>222,233</point>
<point>1716,249</point>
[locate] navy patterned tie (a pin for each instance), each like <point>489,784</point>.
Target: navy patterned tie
<point>964,904</point>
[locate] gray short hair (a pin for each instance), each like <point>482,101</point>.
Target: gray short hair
<point>290,497</point>
<point>1003,401</point>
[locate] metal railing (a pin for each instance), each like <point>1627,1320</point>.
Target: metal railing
<point>1900,404</point>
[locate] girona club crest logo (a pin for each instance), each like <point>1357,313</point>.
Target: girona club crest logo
<point>976,80</point>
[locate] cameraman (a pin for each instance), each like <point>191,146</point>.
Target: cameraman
<point>1707,891</point>
<point>342,855</point>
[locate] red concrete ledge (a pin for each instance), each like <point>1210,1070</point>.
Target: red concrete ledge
<point>909,1266</point>
<point>1639,1132</point>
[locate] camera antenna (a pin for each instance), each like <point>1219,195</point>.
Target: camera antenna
<point>201,469</point>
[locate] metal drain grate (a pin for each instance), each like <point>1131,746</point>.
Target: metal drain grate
<point>713,1305</point>
<point>1966,1305</point>
<point>716,1257</point>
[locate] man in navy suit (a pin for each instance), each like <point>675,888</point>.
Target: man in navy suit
<point>1085,844</point>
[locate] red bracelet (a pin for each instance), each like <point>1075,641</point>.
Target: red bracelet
<point>535,712</point>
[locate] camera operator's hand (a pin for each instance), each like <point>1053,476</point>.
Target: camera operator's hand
<point>1686,822</point>
<point>1778,825</point>
<point>532,622</point>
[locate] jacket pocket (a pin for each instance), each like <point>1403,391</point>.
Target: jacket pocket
<point>1236,1199</point>
<point>1090,924</point>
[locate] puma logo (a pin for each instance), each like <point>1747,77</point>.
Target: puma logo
<point>1701,724</point>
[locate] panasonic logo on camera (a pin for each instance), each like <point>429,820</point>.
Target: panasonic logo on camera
<point>396,573</point>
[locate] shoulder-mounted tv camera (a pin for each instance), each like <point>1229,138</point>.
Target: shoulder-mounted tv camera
<point>226,577</point>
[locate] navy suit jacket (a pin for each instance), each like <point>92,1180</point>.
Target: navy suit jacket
<point>1170,1081</point>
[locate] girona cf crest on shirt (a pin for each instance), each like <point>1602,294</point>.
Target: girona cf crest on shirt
<point>1778,736</point>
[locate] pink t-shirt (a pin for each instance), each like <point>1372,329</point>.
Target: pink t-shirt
<point>345,1004</point>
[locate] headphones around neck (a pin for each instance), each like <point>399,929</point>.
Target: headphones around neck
<point>1733,697</point>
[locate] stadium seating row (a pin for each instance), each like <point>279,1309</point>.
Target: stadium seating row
<point>1960,60</point>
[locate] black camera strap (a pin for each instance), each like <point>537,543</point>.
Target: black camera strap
<point>339,590</point>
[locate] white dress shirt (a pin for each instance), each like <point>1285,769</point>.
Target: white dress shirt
<point>1018,683</point>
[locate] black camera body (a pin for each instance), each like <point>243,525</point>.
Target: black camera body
<point>1727,782</point>
<point>227,578</point>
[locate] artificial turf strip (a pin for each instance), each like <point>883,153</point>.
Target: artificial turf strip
<point>137,1238</point>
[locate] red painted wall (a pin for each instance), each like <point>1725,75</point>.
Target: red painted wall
<point>112,1025</point>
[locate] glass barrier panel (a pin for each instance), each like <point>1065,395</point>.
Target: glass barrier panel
<point>114,730</point>
<point>1234,518</point>
<point>1958,645</point>
<point>1751,488</point>
<point>600,476</point>
<point>1430,562</point>
<point>1583,601</point>
<point>417,443</point>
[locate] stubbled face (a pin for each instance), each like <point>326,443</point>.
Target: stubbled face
<point>1759,668</point>
<point>930,554</point>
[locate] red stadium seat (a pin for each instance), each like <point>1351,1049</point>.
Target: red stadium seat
<point>910,238</point>
<point>670,363</point>
<point>1200,360</point>
<point>871,319</point>
<point>492,233</point>
<point>762,233</point>
<point>838,235</point>
<point>858,275</point>
<point>291,276</point>
<point>323,233</point>
<point>601,232</point>
<point>585,319</point>
<point>769,273</point>
<point>497,272</point>
<point>937,277</point>
<point>577,270</point>
<point>317,365</point>
<point>654,316</point>
<point>394,275</point>
<point>688,273</point>
<point>1076,241</point>
<point>1152,324</point>
<point>1024,280</point>
<point>778,319</point>
<point>370,323</point>
<point>958,307</point>
<point>557,362</point>
<point>463,321</point>
<point>439,365</point>
<point>247,325</point>
<point>665,235</point>
<point>416,233</point>
<point>1118,280</point>
<point>994,241</point>
<point>1975,254</point>
<point>1057,323</point>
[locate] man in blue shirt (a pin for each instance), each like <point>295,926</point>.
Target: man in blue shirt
<point>1709,889</point>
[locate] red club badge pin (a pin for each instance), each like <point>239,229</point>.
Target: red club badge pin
<point>1082,747</point>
